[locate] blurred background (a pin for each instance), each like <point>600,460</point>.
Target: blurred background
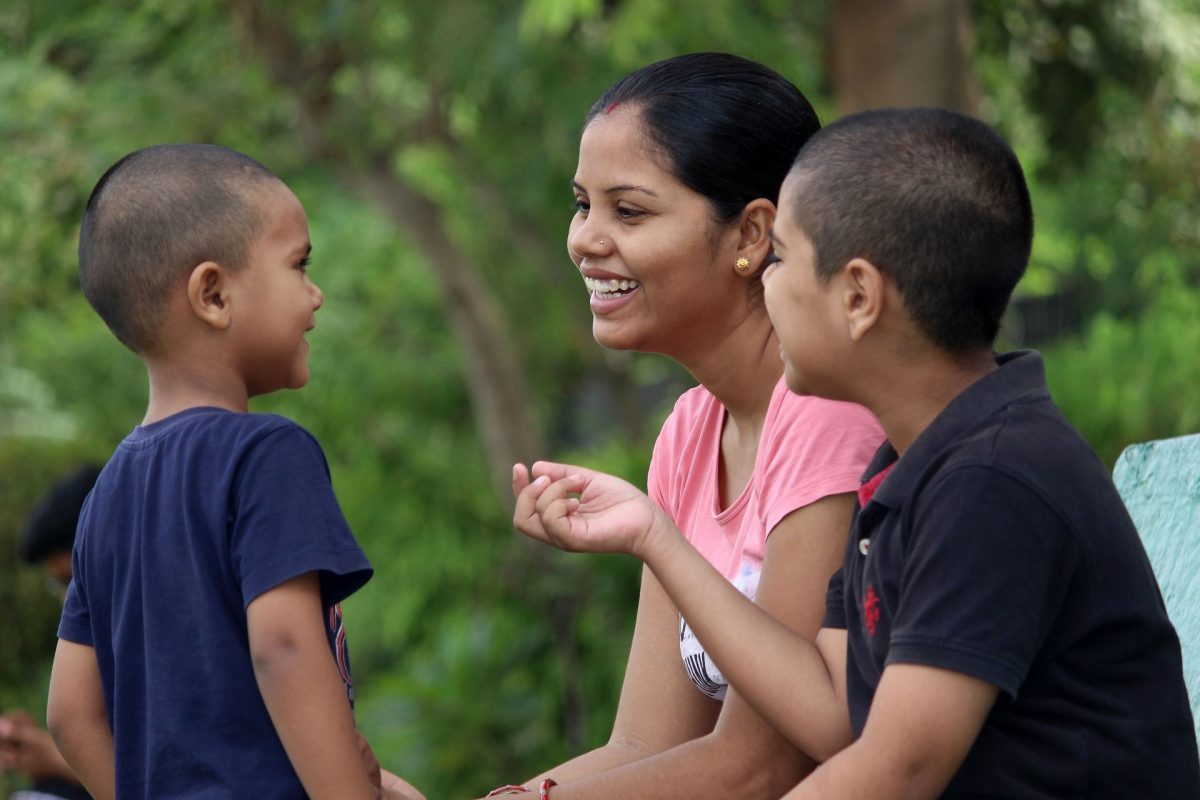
<point>432,144</point>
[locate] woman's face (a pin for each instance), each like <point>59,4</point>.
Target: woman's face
<point>658,267</point>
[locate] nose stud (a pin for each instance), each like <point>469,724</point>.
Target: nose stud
<point>602,243</point>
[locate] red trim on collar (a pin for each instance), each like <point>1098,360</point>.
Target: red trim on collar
<point>867,490</point>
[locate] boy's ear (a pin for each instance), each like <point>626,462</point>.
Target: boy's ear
<point>208,294</point>
<point>754,231</point>
<point>863,296</point>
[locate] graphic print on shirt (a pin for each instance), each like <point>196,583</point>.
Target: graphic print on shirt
<point>341,650</point>
<point>871,610</point>
<point>700,668</point>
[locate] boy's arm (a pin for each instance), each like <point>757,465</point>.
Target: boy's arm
<point>303,691</point>
<point>743,753</point>
<point>76,717</point>
<point>781,674</point>
<point>923,722</point>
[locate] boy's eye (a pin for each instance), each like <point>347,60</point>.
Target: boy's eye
<point>303,263</point>
<point>771,259</point>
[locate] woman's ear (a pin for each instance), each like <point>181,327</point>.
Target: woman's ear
<point>208,294</point>
<point>863,296</point>
<point>754,234</point>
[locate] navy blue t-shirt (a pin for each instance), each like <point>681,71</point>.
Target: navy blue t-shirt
<point>193,518</point>
<point>998,547</point>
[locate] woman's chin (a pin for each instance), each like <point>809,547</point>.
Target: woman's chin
<point>612,337</point>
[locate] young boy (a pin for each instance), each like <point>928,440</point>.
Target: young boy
<point>201,647</point>
<point>995,629</point>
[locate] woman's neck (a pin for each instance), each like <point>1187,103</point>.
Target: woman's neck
<point>742,370</point>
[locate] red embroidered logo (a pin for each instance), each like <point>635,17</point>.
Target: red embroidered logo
<point>871,610</point>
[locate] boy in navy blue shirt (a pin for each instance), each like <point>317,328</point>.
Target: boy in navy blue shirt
<point>995,630</point>
<point>201,649</point>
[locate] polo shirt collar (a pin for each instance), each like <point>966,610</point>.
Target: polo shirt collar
<point>1021,375</point>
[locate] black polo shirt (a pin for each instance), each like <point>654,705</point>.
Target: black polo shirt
<point>998,547</point>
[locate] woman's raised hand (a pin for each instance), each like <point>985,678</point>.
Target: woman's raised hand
<point>576,509</point>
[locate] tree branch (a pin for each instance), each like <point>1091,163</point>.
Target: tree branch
<point>491,368</point>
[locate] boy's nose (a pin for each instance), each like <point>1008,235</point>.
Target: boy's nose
<point>318,297</point>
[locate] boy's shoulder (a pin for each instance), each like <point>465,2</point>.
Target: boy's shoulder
<point>1007,420</point>
<point>1007,430</point>
<point>258,424</point>
<point>203,424</point>
<point>225,446</point>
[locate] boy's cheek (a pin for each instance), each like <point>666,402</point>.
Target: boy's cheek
<point>771,303</point>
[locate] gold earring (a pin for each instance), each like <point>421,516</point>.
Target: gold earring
<point>742,265</point>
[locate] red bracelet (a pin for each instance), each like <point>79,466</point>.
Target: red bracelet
<point>512,788</point>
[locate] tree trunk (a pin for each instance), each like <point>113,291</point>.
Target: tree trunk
<point>491,368</point>
<point>902,53</point>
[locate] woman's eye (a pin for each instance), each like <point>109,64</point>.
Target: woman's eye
<point>629,213</point>
<point>581,206</point>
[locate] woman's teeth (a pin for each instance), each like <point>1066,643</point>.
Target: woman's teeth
<point>604,289</point>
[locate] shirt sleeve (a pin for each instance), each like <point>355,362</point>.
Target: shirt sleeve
<point>76,622</point>
<point>75,625</point>
<point>816,448</point>
<point>985,575</point>
<point>661,481</point>
<point>286,520</point>
<point>835,602</point>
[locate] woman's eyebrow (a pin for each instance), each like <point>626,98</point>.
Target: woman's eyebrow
<point>623,187</point>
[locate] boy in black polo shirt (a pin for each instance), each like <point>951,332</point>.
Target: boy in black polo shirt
<point>996,629</point>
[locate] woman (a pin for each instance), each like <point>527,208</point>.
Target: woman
<point>680,165</point>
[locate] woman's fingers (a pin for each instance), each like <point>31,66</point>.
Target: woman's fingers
<point>525,514</point>
<point>545,504</point>
<point>554,504</point>
<point>554,492</point>
<point>556,472</point>
<point>520,478</point>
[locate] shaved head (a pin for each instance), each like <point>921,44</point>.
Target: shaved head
<point>934,199</point>
<point>156,214</point>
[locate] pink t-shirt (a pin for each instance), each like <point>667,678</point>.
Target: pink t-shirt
<point>809,448</point>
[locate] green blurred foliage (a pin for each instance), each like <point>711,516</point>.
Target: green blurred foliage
<point>1102,102</point>
<point>481,658</point>
<point>1132,380</point>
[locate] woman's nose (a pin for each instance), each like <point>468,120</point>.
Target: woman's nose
<point>588,241</point>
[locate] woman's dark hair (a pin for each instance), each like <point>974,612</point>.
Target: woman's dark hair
<point>728,127</point>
